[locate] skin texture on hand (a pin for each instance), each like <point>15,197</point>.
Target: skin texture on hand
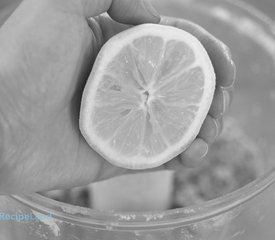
<point>47,49</point>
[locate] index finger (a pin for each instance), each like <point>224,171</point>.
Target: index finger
<point>218,52</point>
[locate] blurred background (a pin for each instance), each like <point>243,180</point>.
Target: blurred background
<point>267,6</point>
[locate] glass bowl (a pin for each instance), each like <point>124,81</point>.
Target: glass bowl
<point>248,213</point>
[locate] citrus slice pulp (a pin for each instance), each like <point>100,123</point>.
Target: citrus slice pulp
<point>147,96</point>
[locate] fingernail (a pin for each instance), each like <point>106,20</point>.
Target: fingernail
<point>220,126</point>
<point>204,150</point>
<point>234,72</point>
<point>217,127</point>
<point>200,148</point>
<point>151,10</point>
<point>232,75</point>
<point>226,100</point>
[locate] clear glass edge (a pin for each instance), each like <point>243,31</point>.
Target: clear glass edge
<point>146,220</point>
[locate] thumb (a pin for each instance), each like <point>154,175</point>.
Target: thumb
<point>123,11</point>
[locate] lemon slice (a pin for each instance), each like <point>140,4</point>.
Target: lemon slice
<point>148,94</point>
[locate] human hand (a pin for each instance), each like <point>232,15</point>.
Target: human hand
<point>47,49</point>
<point>225,70</point>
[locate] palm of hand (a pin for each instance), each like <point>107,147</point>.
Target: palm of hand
<point>43,107</point>
<point>41,129</point>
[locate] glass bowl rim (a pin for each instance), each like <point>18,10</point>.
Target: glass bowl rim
<point>133,221</point>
